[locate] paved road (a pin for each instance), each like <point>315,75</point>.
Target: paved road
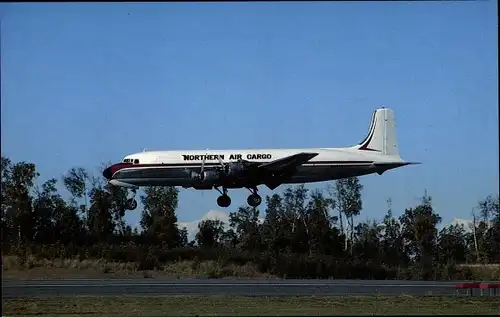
<point>117,287</point>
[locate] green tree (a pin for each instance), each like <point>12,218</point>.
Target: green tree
<point>392,243</point>
<point>17,202</point>
<point>158,220</point>
<point>44,207</point>
<point>245,222</point>
<point>489,226</point>
<point>273,229</point>
<point>117,207</point>
<point>100,222</point>
<point>183,237</point>
<point>322,236</point>
<point>76,182</point>
<point>367,245</point>
<point>420,234</point>
<point>453,245</point>
<point>7,214</point>
<point>229,239</point>
<point>295,218</point>
<point>69,228</point>
<point>349,202</point>
<point>210,233</point>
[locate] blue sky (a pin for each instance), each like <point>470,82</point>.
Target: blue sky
<point>84,83</point>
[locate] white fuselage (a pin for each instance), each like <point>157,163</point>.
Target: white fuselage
<point>377,153</point>
<point>174,168</point>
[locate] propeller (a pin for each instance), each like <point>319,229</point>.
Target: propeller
<point>201,176</point>
<point>223,166</point>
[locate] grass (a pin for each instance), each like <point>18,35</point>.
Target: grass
<point>74,268</point>
<point>35,268</point>
<point>485,272</point>
<point>256,306</point>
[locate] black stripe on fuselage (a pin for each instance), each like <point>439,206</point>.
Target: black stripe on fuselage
<point>178,169</point>
<point>159,175</point>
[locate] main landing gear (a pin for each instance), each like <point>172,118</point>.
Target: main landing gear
<point>131,203</point>
<point>224,200</point>
<point>254,199</point>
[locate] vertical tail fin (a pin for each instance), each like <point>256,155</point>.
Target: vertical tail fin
<point>382,134</point>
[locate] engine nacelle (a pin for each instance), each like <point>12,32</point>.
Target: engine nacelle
<point>234,169</point>
<point>208,177</point>
<point>217,176</point>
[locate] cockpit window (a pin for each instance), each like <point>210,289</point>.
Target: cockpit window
<point>128,160</point>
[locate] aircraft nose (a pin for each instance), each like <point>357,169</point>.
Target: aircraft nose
<point>107,173</point>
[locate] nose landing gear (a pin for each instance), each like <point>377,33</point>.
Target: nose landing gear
<point>131,203</point>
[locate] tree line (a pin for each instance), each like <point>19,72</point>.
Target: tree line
<point>304,234</point>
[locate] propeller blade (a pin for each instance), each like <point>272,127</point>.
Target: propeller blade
<point>202,175</point>
<point>220,160</point>
<point>203,164</point>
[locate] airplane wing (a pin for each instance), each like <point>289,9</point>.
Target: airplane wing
<point>284,164</point>
<point>287,162</point>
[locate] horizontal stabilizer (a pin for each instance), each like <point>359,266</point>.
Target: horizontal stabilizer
<point>381,167</point>
<point>395,164</point>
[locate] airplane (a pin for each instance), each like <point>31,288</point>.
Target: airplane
<point>234,169</point>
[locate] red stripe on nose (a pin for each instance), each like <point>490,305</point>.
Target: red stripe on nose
<point>111,170</point>
<point>107,173</point>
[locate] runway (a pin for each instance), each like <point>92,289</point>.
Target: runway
<point>150,287</point>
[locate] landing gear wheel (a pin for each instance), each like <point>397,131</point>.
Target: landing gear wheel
<point>131,204</point>
<point>224,201</point>
<point>254,200</point>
